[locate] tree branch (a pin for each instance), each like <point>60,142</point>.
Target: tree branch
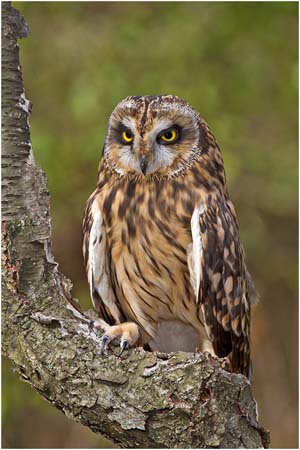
<point>138,400</point>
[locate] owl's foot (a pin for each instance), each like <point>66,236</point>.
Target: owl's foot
<point>127,333</point>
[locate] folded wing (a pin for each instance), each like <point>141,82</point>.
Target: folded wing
<point>222,284</point>
<point>97,263</point>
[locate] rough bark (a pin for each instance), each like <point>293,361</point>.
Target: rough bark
<point>138,400</point>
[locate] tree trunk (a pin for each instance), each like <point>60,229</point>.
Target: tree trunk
<point>138,400</point>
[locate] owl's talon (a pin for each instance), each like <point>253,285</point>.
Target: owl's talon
<point>123,346</point>
<point>104,341</point>
<point>126,332</point>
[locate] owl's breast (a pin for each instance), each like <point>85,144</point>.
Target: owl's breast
<point>149,234</point>
<point>149,228</point>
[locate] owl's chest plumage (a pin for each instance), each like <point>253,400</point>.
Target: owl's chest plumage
<point>149,232</point>
<point>161,239</point>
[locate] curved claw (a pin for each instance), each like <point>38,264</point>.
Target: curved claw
<point>127,332</point>
<point>123,346</point>
<point>104,342</point>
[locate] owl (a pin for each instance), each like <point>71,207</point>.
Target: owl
<point>164,262</point>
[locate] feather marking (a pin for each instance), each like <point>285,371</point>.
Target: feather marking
<point>195,252</point>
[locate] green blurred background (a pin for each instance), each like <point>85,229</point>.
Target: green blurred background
<point>237,64</point>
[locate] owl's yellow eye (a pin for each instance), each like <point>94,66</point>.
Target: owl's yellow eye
<point>169,136</point>
<point>127,136</point>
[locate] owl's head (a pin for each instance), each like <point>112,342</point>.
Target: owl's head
<point>153,135</point>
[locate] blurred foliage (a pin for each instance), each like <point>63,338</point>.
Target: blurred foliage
<point>236,62</point>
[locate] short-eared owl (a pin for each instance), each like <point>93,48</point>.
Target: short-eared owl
<point>163,257</point>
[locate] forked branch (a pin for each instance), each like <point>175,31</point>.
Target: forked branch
<point>138,400</point>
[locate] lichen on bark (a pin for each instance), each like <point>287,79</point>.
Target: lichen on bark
<point>141,399</point>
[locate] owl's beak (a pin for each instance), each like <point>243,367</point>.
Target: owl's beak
<point>143,164</point>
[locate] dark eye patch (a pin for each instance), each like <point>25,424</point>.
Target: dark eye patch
<point>118,132</point>
<point>162,137</point>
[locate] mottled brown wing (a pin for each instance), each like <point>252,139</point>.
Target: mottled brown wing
<point>97,263</point>
<point>224,283</point>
